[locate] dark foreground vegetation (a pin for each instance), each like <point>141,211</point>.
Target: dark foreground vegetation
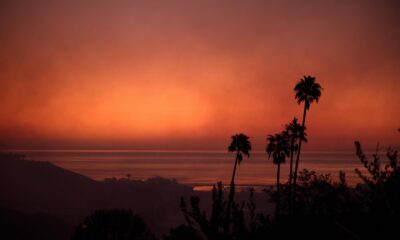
<point>325,208</point>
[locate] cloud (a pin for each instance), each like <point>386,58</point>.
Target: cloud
<point>133,71</point>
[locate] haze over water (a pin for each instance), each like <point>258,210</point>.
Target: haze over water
<point>197,168</point>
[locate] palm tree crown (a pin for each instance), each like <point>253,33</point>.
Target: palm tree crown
<point>240,144</point>
<point>307,91</point>
<point>294,130</point>
<point>278,147</point>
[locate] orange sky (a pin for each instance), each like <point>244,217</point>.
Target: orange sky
<point>180,75</point>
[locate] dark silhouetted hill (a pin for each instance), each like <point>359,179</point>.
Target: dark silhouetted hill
<point>36,186</point>
<point>40,187</point>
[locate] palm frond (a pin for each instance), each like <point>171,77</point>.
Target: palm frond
<point>240,143</point>
<point>307,91</point>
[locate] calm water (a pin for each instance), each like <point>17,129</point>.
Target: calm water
<point>197,168</point>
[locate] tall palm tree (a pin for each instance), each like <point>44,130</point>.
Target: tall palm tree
<point>278,148</point>
<point>292,131</point>
<point>242,146</point>
<point>307,91</point>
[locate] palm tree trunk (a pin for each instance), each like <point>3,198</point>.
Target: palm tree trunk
<point>278,190</point>
<point>234,170</point>
<point>291,173</point>
<point>231,197</point>
<point>232,188</point>
<point>298,156</point>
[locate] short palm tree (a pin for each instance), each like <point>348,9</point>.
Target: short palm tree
<point>278,148</point>
<point>241,146</point>
<point>292,131</point>
<point>307,91</point>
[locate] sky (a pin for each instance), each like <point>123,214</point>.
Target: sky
<point>189,74</point>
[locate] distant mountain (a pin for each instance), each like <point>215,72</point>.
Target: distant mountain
<point>40,187</point>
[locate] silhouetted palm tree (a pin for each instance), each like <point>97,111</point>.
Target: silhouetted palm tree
<point>241,145</point>
<point>278,148</point>
<point>292,131</point>
<point>307,91</point>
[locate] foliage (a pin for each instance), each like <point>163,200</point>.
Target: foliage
<point>382,182</point>
<point>370,210</point>
<point>307,91</point>
<point>113,225</point>
<point>240,144</point>
<point>294,130</point>
<point>184,232</point>
<point>213,227</point>
<point>318,194</point>
<point>278,147</point>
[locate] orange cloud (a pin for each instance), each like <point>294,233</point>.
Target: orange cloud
<point>110,74</point>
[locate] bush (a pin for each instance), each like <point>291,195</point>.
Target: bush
<point>113,225</point>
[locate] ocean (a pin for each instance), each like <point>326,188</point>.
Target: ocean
<point>200,169</point>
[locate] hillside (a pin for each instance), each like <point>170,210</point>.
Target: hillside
<point>41,187</point>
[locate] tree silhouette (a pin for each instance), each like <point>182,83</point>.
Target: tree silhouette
<point>214,226</point>
<point>113,224</point>
<point>325,207</point>
<point>246,222</point>
<point>382,180</point>
<point>241,145</point>
<point>307,91</point>
<point>293,130</point>
<point>278,148</point>
<point>183,232</point>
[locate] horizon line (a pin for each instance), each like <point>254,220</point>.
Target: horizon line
<point>19,150</point>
